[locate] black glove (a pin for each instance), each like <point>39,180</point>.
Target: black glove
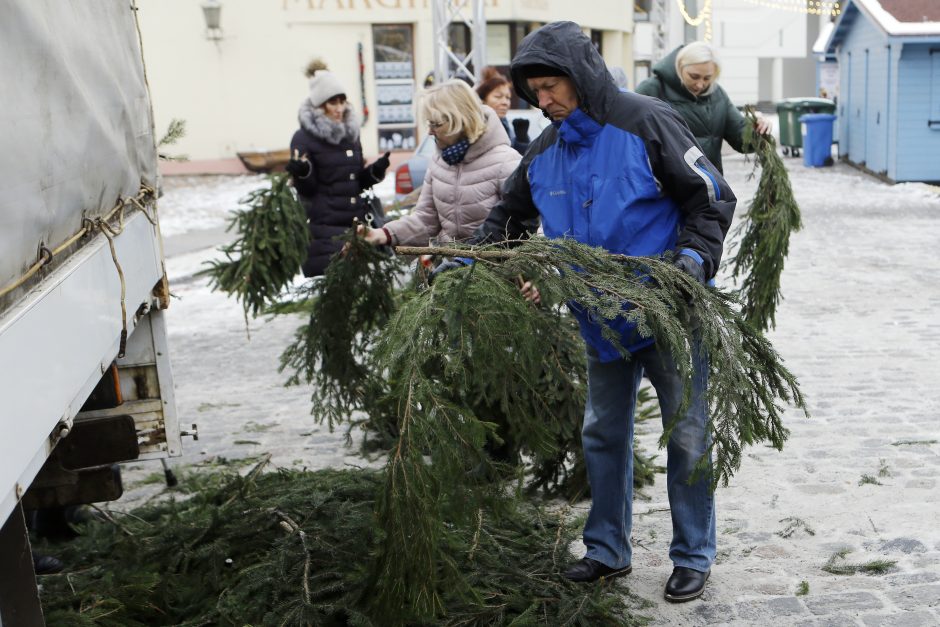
<point>299,168</point>
<point>448,264</point>
<point>691,266</point>
<point>521,128</point>
<point>380,166</point>
<point>686,261</point>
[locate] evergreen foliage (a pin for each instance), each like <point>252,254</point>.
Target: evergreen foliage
<point>466,363</point>
<point>175,131</point>
<point>332,352</point>
<point>271,246</point>
<point>746,379</point>
<point>469,332</point>
<point>763,236</point>
<point>292,548</point>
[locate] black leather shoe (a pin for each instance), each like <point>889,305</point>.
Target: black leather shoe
<point>46,564</point>
<point>685,584</point>
<point>586,570</point>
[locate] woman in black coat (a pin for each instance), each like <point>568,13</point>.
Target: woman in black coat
<point>327,167</point>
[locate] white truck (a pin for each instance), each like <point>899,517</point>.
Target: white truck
<point>86,376</point>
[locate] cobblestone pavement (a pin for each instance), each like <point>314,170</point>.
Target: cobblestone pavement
<point>859,327</point>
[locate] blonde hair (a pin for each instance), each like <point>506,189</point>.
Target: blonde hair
<point>695,53</point>
<point>455,106</point>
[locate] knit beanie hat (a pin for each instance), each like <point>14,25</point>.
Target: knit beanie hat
<point>539,70</point>
<point>323,86</point>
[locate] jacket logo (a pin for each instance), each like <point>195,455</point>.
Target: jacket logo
<point>557,192</point>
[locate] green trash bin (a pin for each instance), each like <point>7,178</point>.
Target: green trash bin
<point>789,112</point>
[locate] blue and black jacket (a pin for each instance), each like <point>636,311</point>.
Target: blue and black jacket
<point>621,172</point>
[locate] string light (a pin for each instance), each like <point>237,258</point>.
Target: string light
<point>698,19</point>
<point>811,7</point>
<point>704,16</point>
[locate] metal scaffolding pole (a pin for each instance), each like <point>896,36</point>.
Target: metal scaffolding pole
<point>660,19</point>
<point>450,64</point>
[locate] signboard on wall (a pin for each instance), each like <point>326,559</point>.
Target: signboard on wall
<point>828,80</point>
<point>393,49</point>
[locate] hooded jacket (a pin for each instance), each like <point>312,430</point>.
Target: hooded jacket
<point>455,199</point>
<point>711,116</point>
<point>622,172</point>
<point>330,193</point>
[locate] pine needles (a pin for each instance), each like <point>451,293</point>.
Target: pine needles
<point>466,365</point>
<point>764,234</point>
<point>271,246</point>
<point>292,548</point>
<point>470,334</point>
<point>174,132</point>
<point>746,380</point>
<point>836,565</point>
<point>347,308</point>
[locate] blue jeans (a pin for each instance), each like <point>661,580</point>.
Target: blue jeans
<point>607,437</point>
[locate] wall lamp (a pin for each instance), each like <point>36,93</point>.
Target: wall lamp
<point>212,12</point>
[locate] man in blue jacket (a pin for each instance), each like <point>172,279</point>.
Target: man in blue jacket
<point>621,171</point>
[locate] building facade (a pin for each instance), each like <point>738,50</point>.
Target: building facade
<point>765,45</point>
<point>238,89</point>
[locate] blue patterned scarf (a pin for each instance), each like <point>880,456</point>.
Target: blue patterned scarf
<point>454,154</point>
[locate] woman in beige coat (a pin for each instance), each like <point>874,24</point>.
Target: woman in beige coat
<point>465,176</point>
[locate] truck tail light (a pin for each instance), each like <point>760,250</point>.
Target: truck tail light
<point>403,184</point>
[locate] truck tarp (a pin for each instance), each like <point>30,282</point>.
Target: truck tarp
<point>75,121</point>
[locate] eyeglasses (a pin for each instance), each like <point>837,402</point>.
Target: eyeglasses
<point>434,125</point>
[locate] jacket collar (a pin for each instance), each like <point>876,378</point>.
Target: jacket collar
<point>314,121</point>
<point>493,136</point>
<point>578,129</point>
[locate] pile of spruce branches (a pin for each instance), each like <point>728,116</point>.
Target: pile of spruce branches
<point>450,373</point>
<point>295,548</point>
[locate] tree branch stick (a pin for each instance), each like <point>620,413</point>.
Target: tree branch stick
<point>481,254</point>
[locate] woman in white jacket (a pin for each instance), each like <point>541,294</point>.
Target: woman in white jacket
<point>465,176</point>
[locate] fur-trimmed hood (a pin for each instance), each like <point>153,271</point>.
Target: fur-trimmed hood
<point>314,121</point>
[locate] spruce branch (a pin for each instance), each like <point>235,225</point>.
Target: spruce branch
<point>175,132</point>
<point>270,247</point>
<point>763,236</point>
<point>747,378</point>
<point>346,309</point>
<point>468,338</point>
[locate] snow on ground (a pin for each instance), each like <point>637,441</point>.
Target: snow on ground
<point>859,328</point>
<point>201,203</point>
<point>195,203</point>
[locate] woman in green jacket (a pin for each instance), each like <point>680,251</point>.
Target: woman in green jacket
<point>688,80</point>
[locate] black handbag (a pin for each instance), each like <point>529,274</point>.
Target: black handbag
<point>375,218</point>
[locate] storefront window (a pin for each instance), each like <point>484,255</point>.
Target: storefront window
<point>393,47</point>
